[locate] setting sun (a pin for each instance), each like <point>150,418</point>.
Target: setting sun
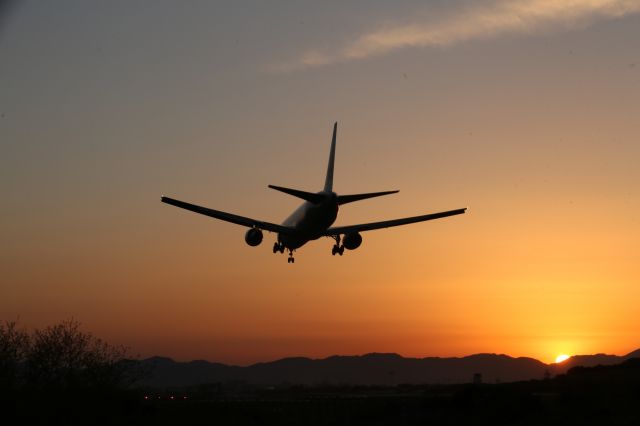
<point>562,357</point>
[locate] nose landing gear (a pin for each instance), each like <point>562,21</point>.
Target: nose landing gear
<point>280,247</point>
<point>337,248</point>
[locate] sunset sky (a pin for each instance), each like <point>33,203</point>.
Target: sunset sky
<point>527,112</point>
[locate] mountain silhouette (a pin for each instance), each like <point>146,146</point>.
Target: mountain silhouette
<point>592,361</point>
<point>634,354</point>
<point>369,369</point>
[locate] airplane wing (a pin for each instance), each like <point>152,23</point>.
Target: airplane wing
<point>339,230</point>
<point>228,217</point>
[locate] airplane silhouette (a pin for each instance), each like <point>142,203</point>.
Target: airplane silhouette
<point>313,219</point>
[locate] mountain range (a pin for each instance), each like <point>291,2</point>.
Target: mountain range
<point>369,369</point>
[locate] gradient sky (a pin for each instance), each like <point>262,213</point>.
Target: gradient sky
<point>527,112</point>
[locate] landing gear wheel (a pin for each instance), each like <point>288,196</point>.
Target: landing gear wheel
<point>337,248</point>
<point>276,247</point>
<point>291,259</point>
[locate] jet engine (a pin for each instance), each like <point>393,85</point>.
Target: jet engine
<point>352,241</point>
<point>253,237</point>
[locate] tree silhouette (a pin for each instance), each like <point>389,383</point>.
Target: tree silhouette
<point>61,357</point>
<point>62,375</point>
<point>14,349</point>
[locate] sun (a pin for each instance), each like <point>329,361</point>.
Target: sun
<point>562,357</point>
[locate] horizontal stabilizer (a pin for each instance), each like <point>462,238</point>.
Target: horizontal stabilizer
<point>307,196</point>
<point>344,199</point>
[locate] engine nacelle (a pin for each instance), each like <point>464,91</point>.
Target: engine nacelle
<point>352,241</point>
<point>253,237</point>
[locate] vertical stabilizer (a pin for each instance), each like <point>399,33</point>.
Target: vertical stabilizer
<point>328,183</point>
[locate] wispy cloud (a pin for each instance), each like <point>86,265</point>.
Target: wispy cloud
<point>498,18</point>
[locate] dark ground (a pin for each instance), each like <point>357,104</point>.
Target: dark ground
<point>598,395</point>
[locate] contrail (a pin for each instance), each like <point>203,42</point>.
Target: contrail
<point>498,18</point>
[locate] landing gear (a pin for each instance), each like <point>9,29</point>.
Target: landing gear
<point>337,248</point>
<point>279,247</point>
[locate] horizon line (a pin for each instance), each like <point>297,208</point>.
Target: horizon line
<point>385,353</point>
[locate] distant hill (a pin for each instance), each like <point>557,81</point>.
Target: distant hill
<point>628,371</point>
<point>592,361</point>
<point>369,369</point>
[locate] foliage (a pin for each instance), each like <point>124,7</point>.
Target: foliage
<point>61,357</point>
<point>14,350</point>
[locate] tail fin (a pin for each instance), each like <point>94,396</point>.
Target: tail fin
<point>328,183</point>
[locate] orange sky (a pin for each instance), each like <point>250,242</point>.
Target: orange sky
<point>532,125</point>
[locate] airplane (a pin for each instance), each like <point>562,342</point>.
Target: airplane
<point>313,219</point>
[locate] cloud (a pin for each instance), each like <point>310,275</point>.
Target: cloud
<point>498,18</point>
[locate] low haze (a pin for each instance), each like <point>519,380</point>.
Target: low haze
<point>525,112</point>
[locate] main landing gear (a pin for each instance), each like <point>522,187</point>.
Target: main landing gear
<point>337,248</point>
<point>279,247</point>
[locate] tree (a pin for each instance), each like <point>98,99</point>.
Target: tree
<point>64,357</point>
<point>14,349</point>
<point>61,357</point>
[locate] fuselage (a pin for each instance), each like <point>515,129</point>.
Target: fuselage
<point>310,221</point>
